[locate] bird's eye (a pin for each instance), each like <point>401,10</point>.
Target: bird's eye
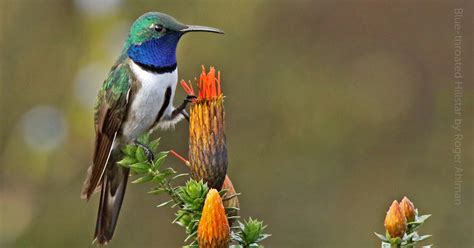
<point>159,28</point>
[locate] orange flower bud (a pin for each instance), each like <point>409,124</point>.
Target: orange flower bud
<point>395,221</point>
<point>213,229</point>
<point>408,209</point>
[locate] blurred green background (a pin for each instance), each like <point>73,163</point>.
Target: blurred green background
<point>334,109</point>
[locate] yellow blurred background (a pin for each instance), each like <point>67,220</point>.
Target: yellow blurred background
<point>334,109</point>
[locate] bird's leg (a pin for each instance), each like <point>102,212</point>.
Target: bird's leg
<point>148,152</point>
<point>181,109</point>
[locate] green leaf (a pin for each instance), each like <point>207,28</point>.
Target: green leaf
<point>180,175</point>
<point>164,204</point>
<point>144,139</point>
<point>140,167</point>
<point>236,236</point>
<point>190,236</point>
<point>127,161</point>
<point>143,179</point>
<point>140,154</point>
<point>262,237</point>
<point>386,245</point>
<point>129,150</point>
<point>421,238</point>
<point>157,191</point>
<point>395,241</point>
<point>159,159</point>
<point>222,192</point>
<point>423,218</point>
<point>154,144</point>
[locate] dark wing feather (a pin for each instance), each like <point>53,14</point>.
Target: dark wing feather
<point>111,110</point>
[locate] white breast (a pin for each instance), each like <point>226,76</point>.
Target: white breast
<point>148,100</point>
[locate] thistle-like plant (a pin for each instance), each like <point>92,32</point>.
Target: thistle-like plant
<point>189,199</point>
<point>205,213</point>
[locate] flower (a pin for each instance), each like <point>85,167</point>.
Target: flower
<point>213,229</point>
<point>395,221</point>
<point>408,209</point>
<point>207,145</point>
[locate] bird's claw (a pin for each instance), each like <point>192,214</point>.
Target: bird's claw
<point>190,98</point>
<point>148,152</point>
<point>181,109</point>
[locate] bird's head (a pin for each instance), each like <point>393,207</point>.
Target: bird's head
<point>154,36</point>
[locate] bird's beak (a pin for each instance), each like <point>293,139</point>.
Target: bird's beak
<point>195,28</point>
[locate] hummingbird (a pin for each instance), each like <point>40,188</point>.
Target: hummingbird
<point>135,98</point>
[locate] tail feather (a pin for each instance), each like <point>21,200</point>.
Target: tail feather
<point>111,197</point>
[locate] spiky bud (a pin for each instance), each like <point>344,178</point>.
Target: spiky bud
<point>395,221</point>
<point>207,145</point>
<point>213,229</point>
<point>408,209</point>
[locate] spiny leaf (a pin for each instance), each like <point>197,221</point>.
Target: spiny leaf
<point>154,144</point>
<point>157,191</point>
<point>380,236</point>
<point>423,218</point>
<point>421,238</point>
<point>180,175</point>
<point>262,237</point>
<point>164,204</point>
<point>159,159</point>
<point>190,236</point>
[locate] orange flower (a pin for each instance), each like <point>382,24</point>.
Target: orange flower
<point>408,209</point>
<point>207,148</point>
<point>213,229</point>
<point>209,86</point>
<point>395,221</point>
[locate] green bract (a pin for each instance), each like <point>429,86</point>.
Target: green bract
<point>250,233</point>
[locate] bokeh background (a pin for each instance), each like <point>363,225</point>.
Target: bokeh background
<point>334,109</point>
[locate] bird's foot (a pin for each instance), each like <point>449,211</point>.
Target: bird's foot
<point>181,109</point>
<point>148,152</point>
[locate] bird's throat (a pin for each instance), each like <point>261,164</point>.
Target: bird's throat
<point>156,55</point>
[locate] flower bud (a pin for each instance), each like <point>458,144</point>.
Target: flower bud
<point>408,209</point>
<point>213,229</point>
<point>207,140</point>
<point>395,221</point>
<point>232,202</point>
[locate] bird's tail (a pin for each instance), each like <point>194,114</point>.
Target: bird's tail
<point>111,198</point>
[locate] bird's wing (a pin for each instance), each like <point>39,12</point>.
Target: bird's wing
<point>110,112</point>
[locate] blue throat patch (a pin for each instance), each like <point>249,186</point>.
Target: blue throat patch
<point>157,55</point>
